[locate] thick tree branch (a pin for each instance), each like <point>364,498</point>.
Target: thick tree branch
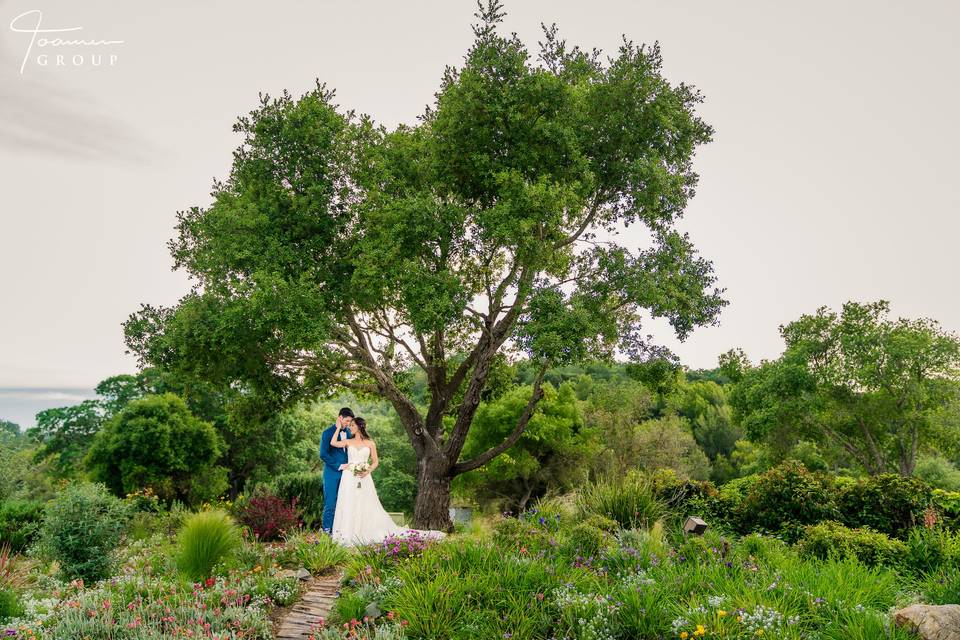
<point>493,452</point>
<point>487,349</point>
<point>584,225</point>
<point>409,415</point>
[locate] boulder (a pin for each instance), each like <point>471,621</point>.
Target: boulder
<point>931,622</point>
<point>299,574</point>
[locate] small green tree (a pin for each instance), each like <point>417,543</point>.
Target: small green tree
<point>156,442</point>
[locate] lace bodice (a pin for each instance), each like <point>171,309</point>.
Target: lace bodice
<point>358,454</point>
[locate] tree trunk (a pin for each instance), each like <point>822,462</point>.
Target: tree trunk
<point>432,508</point>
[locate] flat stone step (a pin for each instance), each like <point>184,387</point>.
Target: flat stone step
<point>314,604</point>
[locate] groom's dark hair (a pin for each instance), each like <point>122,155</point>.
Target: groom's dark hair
<point>346,412</point>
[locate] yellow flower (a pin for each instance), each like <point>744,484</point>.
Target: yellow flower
<point>684,635</point>
<point>701,630</point>
<point>721,613</point>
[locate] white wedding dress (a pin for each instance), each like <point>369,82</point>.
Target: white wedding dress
<point>360,518</point>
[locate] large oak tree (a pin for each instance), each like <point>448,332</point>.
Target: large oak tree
<point>339,254</point>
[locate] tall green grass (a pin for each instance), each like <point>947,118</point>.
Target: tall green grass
<point>630,501</point>
<point>318,553</point>
<point>205,539</point>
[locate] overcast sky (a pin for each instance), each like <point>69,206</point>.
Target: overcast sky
<point>832,175</point>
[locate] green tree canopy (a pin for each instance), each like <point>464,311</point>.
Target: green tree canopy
<point>156,442</point>
<point>338,253</point>
<point>858,379</point>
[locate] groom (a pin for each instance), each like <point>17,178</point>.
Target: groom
<point>332,458</point>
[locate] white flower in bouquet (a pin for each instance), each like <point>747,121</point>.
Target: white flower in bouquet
<point>359,467</point>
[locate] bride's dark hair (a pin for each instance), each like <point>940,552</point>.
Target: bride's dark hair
<point>361,425</point>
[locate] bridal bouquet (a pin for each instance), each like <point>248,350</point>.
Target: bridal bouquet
<point>359,467</point>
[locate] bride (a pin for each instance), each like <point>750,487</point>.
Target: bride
<point>360,518</point>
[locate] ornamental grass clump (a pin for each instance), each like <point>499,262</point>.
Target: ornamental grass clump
<point>630,501</point>
<point>318,553</point>
<point>205,539</point>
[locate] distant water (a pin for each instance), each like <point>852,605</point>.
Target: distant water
<point>21,404</point>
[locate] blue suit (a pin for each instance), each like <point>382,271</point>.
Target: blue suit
<point>332,458</point>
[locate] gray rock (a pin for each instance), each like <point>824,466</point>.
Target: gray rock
<point>931,622</point>
<point>303,574</point>
<point>372,610</point>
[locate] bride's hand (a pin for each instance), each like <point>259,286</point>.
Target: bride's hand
<point>343,466</point>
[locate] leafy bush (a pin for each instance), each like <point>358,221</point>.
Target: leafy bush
<point>9,605</point>
<point>929,549</point>
<point>588,540</point>
<point>81,530</point>
<point>630,501</point>
<point>889,503</point>
<point>833,540</point>
<point>19,522</point>
<point>306,488</point>
<point>947,505</point>
<point>785,498</point>
<point>518,532</point>
<point>205,539</point>
<point>723,508</point>
<point>676,493</point>
<point>157,442</point>
<point>268,516</point>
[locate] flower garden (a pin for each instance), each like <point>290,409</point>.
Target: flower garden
<point>609,562</point>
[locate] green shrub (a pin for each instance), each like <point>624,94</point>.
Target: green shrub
<point>81,530</point>
<point>157,442</point>
<point>603,523</point>
<point>307,488</point>
<point>784,499</point>
<point>947,505</point>
<point>551,513</point>
<point>630,501</point>
<point>20,522</point>
<point>889,503</point>
<point>9,605</point>
<point>833,540</point>
<point>675,492</point>
<point>204,540</point>
<point>651,542</point>
<point>927,550</point>
<point>518,532</point>
<point>587,540</point>
<point>724,507</point>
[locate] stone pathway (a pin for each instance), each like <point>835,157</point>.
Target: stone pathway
<point>314,604</point>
